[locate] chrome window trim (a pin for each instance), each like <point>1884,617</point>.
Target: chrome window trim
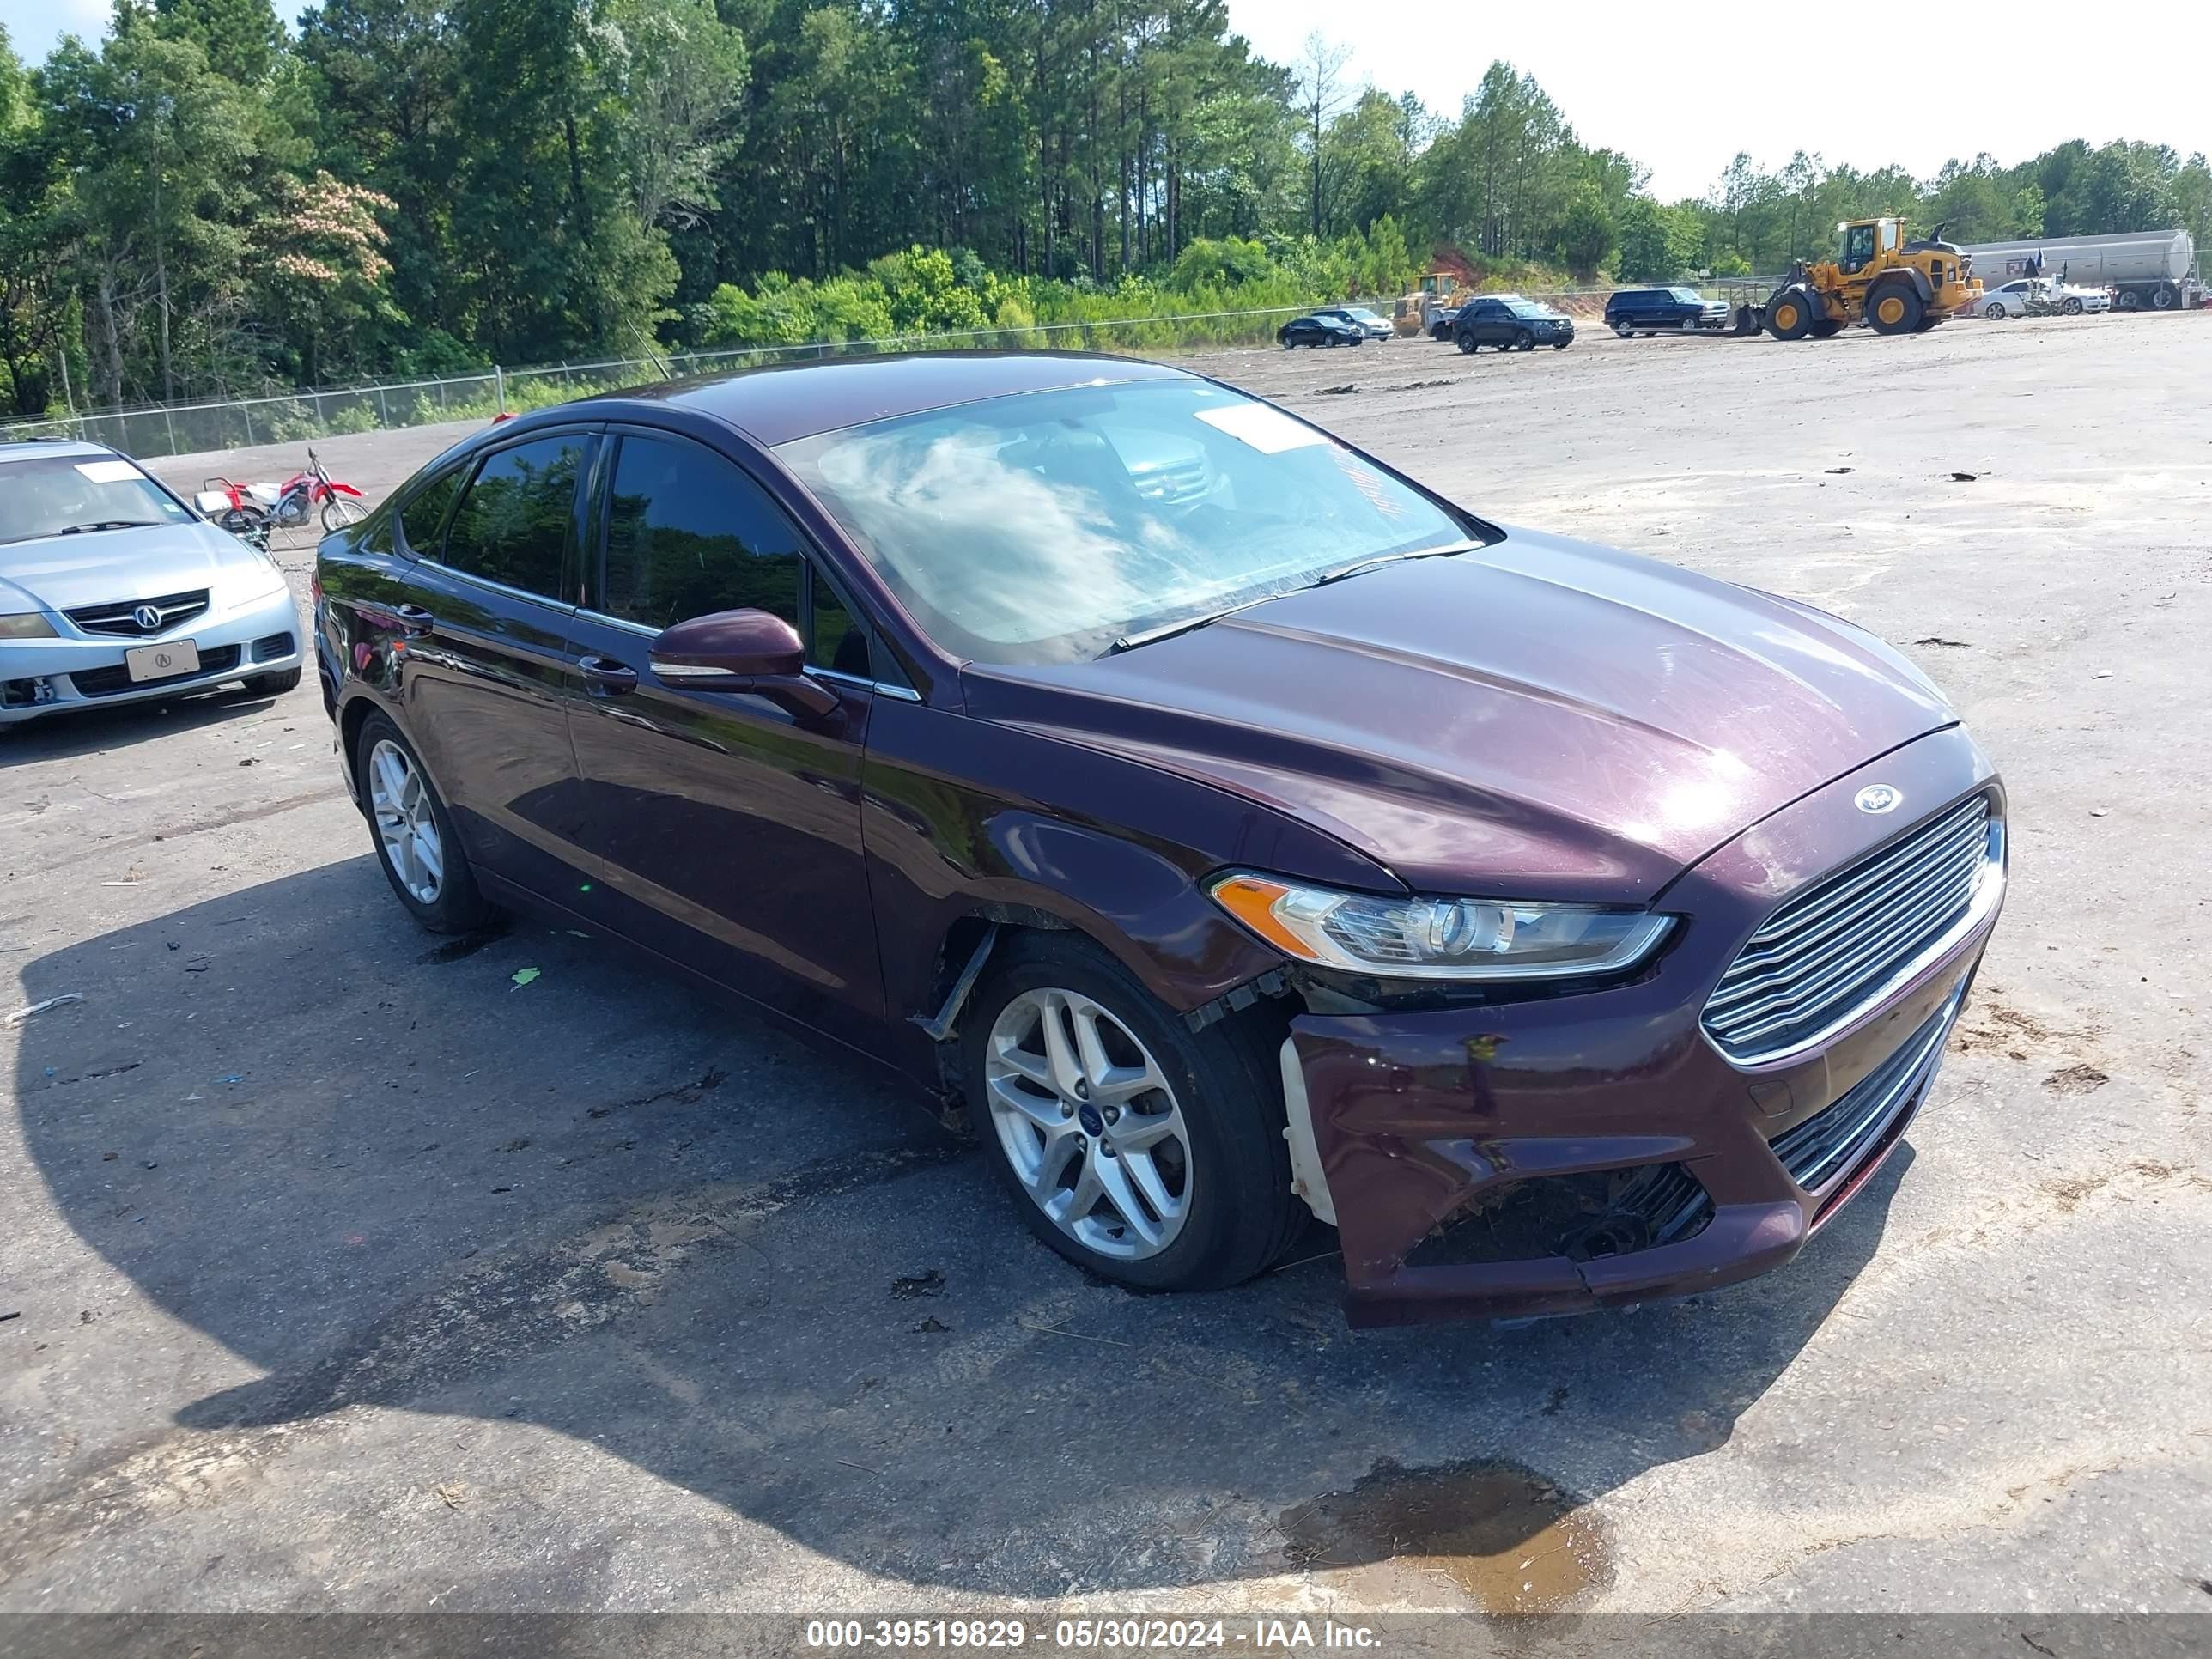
<point>881,688</point>
<point>1988,893</point>
<point>489,585</point>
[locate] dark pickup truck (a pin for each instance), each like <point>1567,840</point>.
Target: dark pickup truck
<point>1678,310</point>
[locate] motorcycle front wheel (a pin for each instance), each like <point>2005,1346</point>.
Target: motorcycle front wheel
<point>340,511</point>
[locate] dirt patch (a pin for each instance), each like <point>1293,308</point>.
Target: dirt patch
<point>1507,1537</point>
<point>2075,1080</point>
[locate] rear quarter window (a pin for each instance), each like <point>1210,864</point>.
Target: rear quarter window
<point>423,518</point>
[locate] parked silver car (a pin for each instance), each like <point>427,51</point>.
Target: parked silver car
<point>112,590</point>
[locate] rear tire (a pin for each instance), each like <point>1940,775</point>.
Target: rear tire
<point>2165,297</point>
<point>2129,300</point>
<point>1467,344</point>
<point>450,903</point>
<point>1220,1162</point>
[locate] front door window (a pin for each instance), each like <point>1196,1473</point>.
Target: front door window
<point>1858,248</point>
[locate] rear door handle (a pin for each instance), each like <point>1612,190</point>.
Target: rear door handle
<point>605,676</point>
<point>414,619</point>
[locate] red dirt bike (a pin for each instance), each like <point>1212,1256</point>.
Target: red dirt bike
<point>303,493</point>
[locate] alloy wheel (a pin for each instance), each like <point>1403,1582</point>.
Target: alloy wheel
<point>1089,1122</point>
<point>406,824</point>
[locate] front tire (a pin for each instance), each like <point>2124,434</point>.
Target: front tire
<point>274,685</point>
<point>1789,316</point>
<point>1188,1185</point>
<point>1523,340</point>
<point>1893,308</point>
<point>2071,308</point>
<point>341,511</point>
<point>413,833</point>
<point>1995,312</point>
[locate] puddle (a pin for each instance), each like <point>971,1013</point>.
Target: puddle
<point>1507,1537</point>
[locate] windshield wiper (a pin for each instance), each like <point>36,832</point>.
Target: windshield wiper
<point>107,524</point>
<point>1361,567</point>
<point>1169,630</point>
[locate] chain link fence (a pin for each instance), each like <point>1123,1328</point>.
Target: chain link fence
<point>161,429</point>
<point>153,430</point>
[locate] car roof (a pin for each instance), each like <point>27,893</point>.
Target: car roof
<point>777,403</point>
<point>23,449</point>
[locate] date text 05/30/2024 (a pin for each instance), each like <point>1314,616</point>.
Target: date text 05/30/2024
<point>1252,1634</point>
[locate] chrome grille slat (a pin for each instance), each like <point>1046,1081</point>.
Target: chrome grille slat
<point>1829,952</point>
<point>116,616</point>
<point>1795,967</point>
<point>1965,822</point>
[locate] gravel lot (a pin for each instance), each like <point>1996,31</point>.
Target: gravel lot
<point>351,1275</point>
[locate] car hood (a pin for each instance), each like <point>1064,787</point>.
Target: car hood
<point>1538,719</point>
<point>112,565</point>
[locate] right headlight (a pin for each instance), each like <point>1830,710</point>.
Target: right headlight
<point>1438,938</point>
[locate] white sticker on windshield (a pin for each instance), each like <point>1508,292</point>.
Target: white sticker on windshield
<point>108,471</point>
<point>1268,430</point>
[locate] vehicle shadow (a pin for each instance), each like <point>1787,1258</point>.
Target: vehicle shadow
<point>419,1177</point>
<point>78,731</point>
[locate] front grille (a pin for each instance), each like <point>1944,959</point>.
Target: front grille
<point>108,681</point>
<point>1831,1143</point>
<point>1831,951</point>
<point>120,616</point>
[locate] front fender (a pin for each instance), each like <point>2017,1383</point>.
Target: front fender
<point>964,818</point>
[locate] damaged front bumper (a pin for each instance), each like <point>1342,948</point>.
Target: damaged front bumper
<point>1598,1149</point>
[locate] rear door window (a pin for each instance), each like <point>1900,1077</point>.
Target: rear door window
<point>515,523</point>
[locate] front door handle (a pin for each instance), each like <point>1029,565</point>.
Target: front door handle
<point>414,619</point>
<point>605,676</point>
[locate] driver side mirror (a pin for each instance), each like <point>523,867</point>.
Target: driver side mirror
<point>749,651</point>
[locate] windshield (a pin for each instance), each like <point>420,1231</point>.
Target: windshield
<point>1361,314</point>
<point>1526,308</point>
<point>65,495</point>
<point>1688,296</point>
<point>1043,526</point>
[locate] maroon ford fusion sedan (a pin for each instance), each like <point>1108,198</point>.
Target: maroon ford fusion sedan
<point>1240,831</point>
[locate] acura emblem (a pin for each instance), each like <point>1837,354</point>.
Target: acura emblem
<point>148,618</point>
<point>1880,797</point>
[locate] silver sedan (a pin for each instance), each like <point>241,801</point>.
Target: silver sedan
<point>113,591</point>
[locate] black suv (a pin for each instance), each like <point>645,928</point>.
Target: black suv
<point>1648,310</point>
<point>1508,321</point>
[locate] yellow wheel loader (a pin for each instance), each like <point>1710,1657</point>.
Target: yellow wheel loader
<point>1878,278</point>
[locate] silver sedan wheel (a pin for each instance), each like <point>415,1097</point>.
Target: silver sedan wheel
<point>400,803</point>
<point>1089,1123</point>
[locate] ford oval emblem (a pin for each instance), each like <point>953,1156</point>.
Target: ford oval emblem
<point>1880,797</point>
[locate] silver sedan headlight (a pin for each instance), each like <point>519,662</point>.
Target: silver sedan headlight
<point>1438,938</point>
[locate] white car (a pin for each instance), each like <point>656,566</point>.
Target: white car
<point>2041,297</point>
<point>2073,300</point>
<point>112,590</point>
